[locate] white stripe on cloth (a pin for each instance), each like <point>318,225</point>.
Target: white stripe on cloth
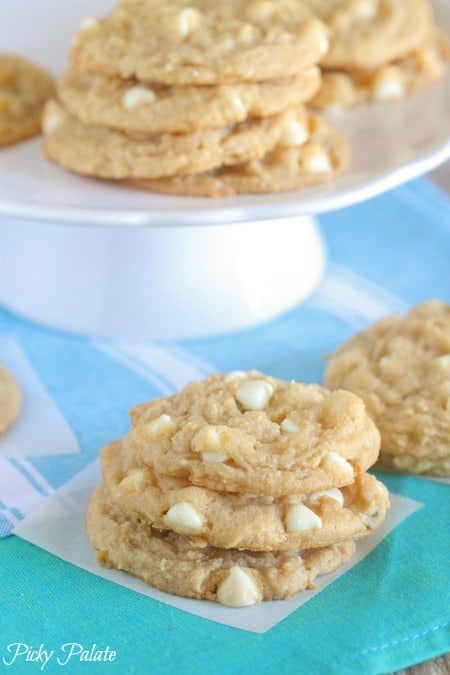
<point>355,299</point>
<point>168,369</point>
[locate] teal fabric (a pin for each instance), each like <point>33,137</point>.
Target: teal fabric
<point>388,612</point>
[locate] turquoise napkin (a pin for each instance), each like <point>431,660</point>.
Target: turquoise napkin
<point>388,612</point>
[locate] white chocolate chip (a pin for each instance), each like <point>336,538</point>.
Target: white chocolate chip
<point>387,86</point>
<point>234,375</point>
<point>299,518</point>
<point>88,24</point>
<point>135,482</point>
<point>187,21</point>
<point>238,589</point>
<point>365,10</point>
<point>162,426</point>
<point>208,439</point>
<point>441,362</point>
<point>315,160</point>
<point>288,425</point>
<point>52,121</point>
<point>254,394</point>
<point>334,462</point>
<point>137,96</point>
<point>260,10</point>
<point>294,133</point>
<point>324,43</point>
<point>235,101</point>
<point>214,457</point>
<point>183,518</point>
<point>246,33</point>
<point>336,405</point>
<point>333,493</point>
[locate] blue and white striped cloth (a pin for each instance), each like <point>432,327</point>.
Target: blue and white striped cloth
<point>384,255</point>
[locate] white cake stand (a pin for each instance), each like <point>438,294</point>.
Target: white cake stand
<point>96,258</point>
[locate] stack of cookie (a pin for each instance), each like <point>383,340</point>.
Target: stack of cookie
<point>238,489</point>
<point>196,97</point>
<point>380,50</point>
<point>400,367</point>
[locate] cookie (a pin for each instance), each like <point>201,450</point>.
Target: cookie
<point>255,434</point>
<point>106,153</point>
<point>400,367</point>
<point>171,563</point>
<point>368,34</point>
<point>393,82</point>
<point>10,399</point>
<point>201,41</point>
<point>229,520</point>
<point>24,88</point>
<point>133,106</point>
<point>311,153</point>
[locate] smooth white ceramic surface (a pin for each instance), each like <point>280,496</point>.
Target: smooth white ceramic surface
<point>390,144</point>
<point>166,282</point>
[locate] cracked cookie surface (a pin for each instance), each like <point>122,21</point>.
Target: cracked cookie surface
<point>201,41</point>
<point>252,433</point>
<point>400,367</point>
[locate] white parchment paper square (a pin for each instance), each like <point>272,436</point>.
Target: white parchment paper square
<point>57,526</point>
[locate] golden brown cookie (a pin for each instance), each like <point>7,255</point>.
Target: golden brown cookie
<point>10,399</point>
<point>400,367</point>
<point>106,153</point>
<point>133,106</point>
<point>24,88</point>
<point>171,563</point>
<point>255,434</point>
<point>310,153</point>
<point>368,34</point>
<point>229,520</point>
<point>393,82</point>
<point>201,41</point>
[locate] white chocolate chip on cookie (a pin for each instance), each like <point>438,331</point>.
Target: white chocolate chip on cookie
<point>333,493</point>
<point>441,363</point>
<point>162,426</point>
<point>187,21</point>
<point>136,481</point>
<point>365,10</point>
<point>387,85</point>
<point>183,518</point>
<point>334,462</point>
<point>137,96</point>
<point>288,425</point>
<point>89,23</point>
<point>233,375</point>
<point>316,160</point>
<point>52,119</point>
<point>238,589</point>
<point>294,133</point>
<point>299,518</point>
<point>254,394</point>
<point>260,10</point>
